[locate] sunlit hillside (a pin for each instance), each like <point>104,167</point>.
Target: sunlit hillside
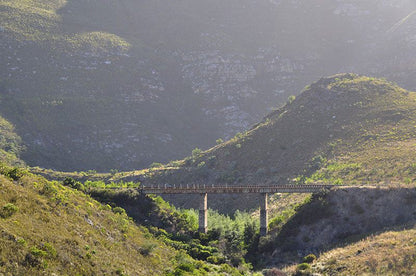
<point>48,228</point>
<point>344,129</point>
<point>389,253</point>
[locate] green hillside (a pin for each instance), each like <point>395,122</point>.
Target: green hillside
<point>344,129</point>
<point>50,228</point>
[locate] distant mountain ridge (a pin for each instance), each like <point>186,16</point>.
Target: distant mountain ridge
<point>121,84</point>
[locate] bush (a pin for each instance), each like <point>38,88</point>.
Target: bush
<point>188,267</point>
<point>196,152</point>
<point>8,210</point>
<point>273,272</point>
<point>147,249</point>
<point>303,269</point>
<point>50,250</point>
<point>309,258</point>
<point>156,165</point>
<point>200,254</point>
<point>290,99</point>
<point>216,259</point>
<point>48,189</point>
<point>21,241</point>
<point>37,252</point>
<point>74,184</point>
<point>14,173</point>
<point>119,210</point>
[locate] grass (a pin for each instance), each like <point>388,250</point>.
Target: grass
<point>40,21</point>
<point>361,128</point>
<point>50,228</point>
<point>69,222</point>
<point>388,253</point>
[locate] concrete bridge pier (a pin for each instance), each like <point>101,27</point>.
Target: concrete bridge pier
<point>264,217</point>
<point>203,213</point>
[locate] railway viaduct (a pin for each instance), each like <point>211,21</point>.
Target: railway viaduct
<point>203,190</point>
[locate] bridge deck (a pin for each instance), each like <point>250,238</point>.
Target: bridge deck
<point>202,189</point>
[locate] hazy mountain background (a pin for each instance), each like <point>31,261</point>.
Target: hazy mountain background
<point>121,84</point>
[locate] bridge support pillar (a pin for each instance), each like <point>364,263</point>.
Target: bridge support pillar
<point>264,217</point>
<point>203,213</point>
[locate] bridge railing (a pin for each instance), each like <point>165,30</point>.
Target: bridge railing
<point>220,189</point>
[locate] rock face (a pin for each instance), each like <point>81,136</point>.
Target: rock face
<point>108,84</point>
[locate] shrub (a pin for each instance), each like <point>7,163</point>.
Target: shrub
<point>303,267</point>
<point>48,189</point>
<point>196,153</point>
<point>146,249</point>
<point>21,241</point>
<point>175,163</point>
<point>200,254</point>
<point>273,272</point>
<point>290,99</point>
<point>14,173</point>
<point>239,135</point>
<point>309,258</point>
<point>37,252</point>
<point>156,165</point>
<point>216,259</point>
<point>201,165</point>
<point>8,210</point>
<point>49,249</point>
<point>119,210</point>
<point>188,267</point>
<point>74,184</point>
<point>113,171</point>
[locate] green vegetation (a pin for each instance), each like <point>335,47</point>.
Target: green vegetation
<point>39,21</point>
<point>229,241</point>
<point>363,134</point>
<point>46,226</point>
<point>8,210</point>
<point>343,130</point>
<point>309,258</point>
<point>290,99</point>
<point>389,253</point>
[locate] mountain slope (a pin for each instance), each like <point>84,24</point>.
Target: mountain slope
<point>341,129</point>
<point>121,84</point>
<point>391,253</point>
<point>50,228</point>
<point>339,218</point>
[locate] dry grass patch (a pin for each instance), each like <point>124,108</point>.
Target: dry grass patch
<point>389,253</point>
